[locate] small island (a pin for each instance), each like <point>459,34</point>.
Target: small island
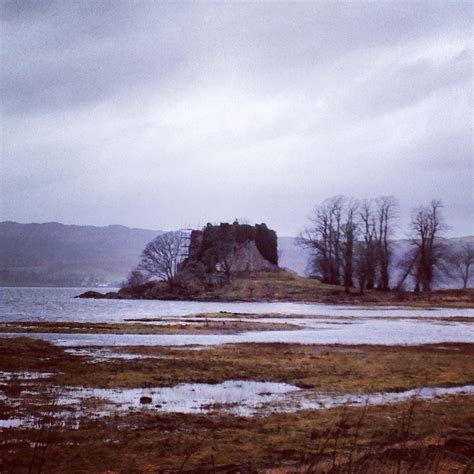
<point>239,262</point>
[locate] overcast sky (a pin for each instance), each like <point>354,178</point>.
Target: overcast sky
<point>172,114</point>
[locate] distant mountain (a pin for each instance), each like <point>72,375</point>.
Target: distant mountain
<point>54,254</point>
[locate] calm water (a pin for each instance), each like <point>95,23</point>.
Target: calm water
<point>366,326</point>
<point>239,397</point>
<point>59,304</point>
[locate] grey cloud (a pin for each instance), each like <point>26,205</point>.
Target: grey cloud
<point>410,83</point>
<point>164,114</point>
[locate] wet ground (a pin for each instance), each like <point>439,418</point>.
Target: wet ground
<point>157,377</point>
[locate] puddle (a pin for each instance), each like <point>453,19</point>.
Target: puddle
<point>238,397</point>
<point>243,398</point>
<point>104,355</point>
<point>4,376</point>
<point>12,423</point>
<point>235,397</point>
<point>312,401</point>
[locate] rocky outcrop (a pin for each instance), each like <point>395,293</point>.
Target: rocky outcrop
<point>246,257</point>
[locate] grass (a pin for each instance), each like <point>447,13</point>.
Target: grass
<point>283,285</point>
<point>387,438</point>
<point>432,436</point>
<point>338,369</point>
<point>203,326</point>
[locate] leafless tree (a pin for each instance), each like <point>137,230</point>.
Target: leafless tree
<point>386,215</point>
<point>428,251</point>
<point>135,278</point>
<point>360,265</point>
<point>368,246</point>
<point>162,256</point>
<point>460,260</point>
<point>349,232</point>
<point>331,237</point>
<point>324,238</point>
<point>227,267</point>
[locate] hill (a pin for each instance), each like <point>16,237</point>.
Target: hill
<point>54,254</point>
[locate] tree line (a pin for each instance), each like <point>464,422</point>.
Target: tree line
<point>351,244</point>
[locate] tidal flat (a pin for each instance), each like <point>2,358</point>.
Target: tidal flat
<point>313,389</point>
<point>43,424</point>
<point>157,326</point>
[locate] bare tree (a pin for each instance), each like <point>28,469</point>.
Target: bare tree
<point>162,256</point>
<point>227,267</point>
<point>460,261</point>
<point>324,238</point>
<point>427,224</point>
<point>368,247</point>
<point>135,278</point>
<point>331,237</point>
<point>387,213</point>
<point>360,265</point>
<point>349,231</point>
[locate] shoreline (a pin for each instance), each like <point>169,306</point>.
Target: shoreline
<point>416,303</point>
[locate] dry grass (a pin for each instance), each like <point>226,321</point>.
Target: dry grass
<point>288,286</point>
<point>436,436</point>
<point>433,437</point>
<point>338,369</point>
<point>204,326</point>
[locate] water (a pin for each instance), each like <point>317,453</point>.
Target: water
<point>242,398</point>
<point>236,397</point>
<point>334,324</point>
<point>239,397</point>
<point>59,304</point>
<point>383,332</point>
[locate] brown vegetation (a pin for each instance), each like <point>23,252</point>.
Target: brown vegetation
<point>429,437</point>
<point>202,326</point>
<point>287,286</point>
<point>336,369</point>
<point>434,436</point>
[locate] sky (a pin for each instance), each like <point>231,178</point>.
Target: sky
<point>169,115</point>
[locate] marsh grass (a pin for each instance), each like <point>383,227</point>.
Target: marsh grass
<point>413,437</point>
<point>416,437</point>
<point>336,369</point>
<point>199,326</point>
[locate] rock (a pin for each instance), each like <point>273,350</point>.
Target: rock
<point>112,295</point>
<point>91,294</point>
<point>145,400</point>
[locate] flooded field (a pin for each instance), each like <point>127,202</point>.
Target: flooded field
<point>237,397</point>
<point>205,383</point>
<point>358,331</point>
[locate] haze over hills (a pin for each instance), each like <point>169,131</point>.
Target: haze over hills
<point>53,254</point>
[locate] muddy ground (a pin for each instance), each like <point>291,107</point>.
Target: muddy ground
<point>422,436</point>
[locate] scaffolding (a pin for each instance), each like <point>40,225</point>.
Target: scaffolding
<point>185,242</point>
